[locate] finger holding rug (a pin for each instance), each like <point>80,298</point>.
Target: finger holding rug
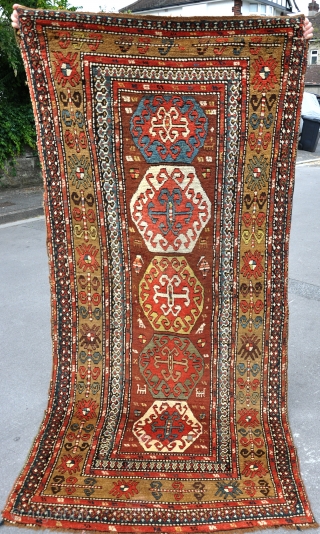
<point>14,17</point>
<point>307,28</point>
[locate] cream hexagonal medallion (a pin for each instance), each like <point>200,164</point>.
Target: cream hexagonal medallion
<point>170,208</point>
<point>167,426</point>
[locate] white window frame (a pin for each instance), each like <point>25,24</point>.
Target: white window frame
<point>314,57</point>
<point>261,9</point>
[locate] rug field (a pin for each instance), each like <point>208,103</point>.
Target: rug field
<point>168,150</point>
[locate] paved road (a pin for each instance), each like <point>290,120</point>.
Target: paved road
<point>25,365</point>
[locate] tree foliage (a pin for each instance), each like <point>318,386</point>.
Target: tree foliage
<point>16,117</point>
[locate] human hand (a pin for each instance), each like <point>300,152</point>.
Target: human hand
<point>307,29</point>
<point>14,17</point>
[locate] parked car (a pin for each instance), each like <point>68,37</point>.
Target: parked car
<point>310,130</point>
<point>318,98</point>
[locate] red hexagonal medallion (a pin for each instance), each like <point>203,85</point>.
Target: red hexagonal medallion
<point>171,366</point>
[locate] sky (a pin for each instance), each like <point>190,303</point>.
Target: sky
<point>115,5</point>
<point>106,5</point>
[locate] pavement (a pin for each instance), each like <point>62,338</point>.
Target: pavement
<point>17,204</point>
<point>306,158</point>
<point>25,363</point>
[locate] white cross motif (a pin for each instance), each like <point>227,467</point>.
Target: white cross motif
<point>169,284</point>
<point>168,125</point>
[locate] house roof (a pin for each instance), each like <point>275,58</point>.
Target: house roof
<point>146,5</point>
<point>313,75</point>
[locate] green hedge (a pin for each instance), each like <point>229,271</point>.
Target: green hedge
<point>17,127</point>
<point>17,130</point>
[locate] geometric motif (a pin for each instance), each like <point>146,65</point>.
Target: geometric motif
<point>171,295</point>
<point>170,208</point>
<point>168,426</point>
<point>172,367</point>
<point>66,69</point>
<point>265,78</point>
<point>257,175</point>
<point>168,128</point>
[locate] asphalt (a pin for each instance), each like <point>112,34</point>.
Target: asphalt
<point>25,363</point>
<point>17,204</point>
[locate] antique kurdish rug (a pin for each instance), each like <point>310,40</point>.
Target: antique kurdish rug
<point>168,149</point>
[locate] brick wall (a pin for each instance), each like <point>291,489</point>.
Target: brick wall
<point>26,171</point>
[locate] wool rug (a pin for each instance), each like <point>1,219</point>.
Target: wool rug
<point>168,150</point>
